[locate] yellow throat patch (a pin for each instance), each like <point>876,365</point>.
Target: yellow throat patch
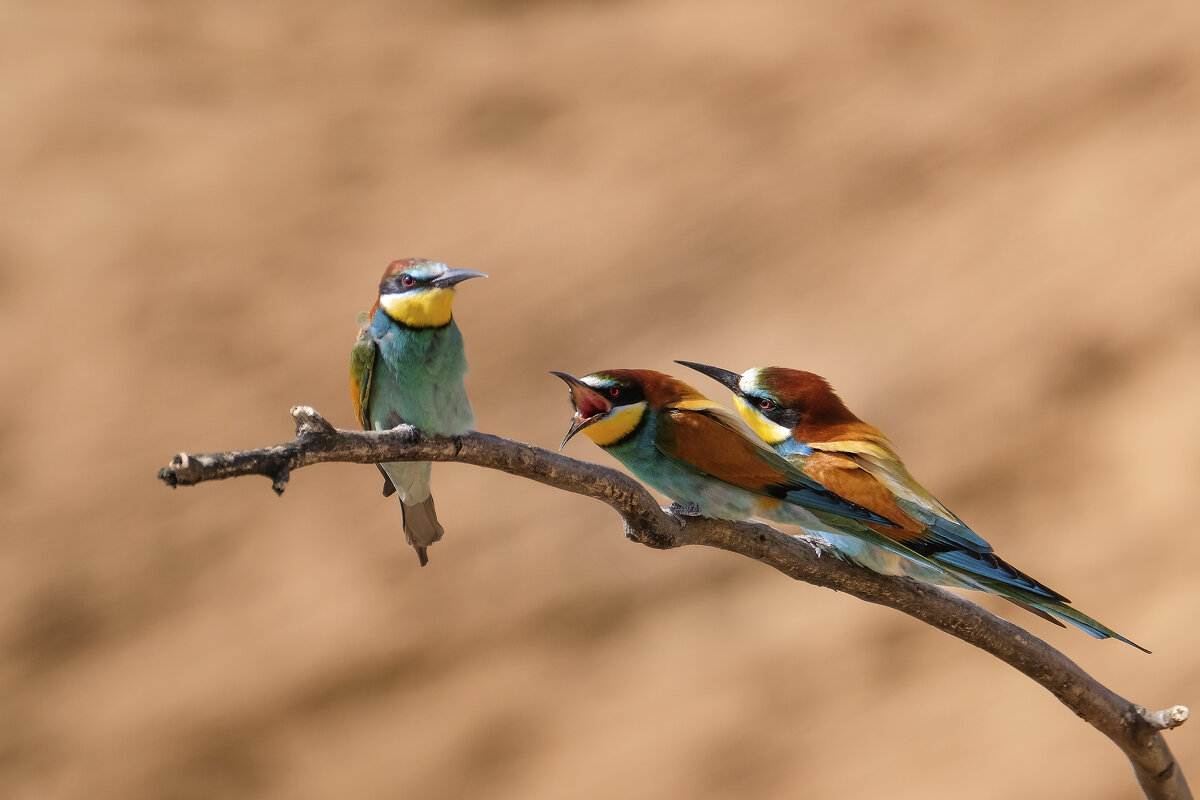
<point>427,308</point>
<point>619,424</point>
<point>768,431</point>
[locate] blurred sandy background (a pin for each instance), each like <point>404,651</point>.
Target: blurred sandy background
<point>980,221</point>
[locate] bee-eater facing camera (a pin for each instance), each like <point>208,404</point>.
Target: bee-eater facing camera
<point>802,418</point>
<point>703,457</point>
<point>408,367</point>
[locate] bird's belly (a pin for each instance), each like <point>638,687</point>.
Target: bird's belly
<point>715,498</point>
<point>436,405</point>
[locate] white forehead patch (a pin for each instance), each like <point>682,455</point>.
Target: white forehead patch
<point>748,380</point>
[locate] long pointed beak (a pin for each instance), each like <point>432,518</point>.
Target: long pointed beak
<point>590,405</point>
<point>452,277</point>
<point>722,376</point>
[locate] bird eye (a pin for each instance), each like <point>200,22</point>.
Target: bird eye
<point>614,391</point>
<point>408,280</point>
<point>766,404</point>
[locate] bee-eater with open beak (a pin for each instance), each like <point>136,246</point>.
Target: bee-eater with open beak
<point>804,420</point>
<point>703,457</point>
<point>407,367</point>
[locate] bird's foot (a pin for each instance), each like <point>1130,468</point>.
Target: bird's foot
<point>681,511</point>
<point>407,433</point>
<point>819,545</point>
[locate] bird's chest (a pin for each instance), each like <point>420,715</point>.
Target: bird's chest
<point>425,352</point>
<point>419,379</point>
<point>640,453</point>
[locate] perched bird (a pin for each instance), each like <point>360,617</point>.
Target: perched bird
<point>407,367</point>
<point>799,415</point>
<point>702,456</point>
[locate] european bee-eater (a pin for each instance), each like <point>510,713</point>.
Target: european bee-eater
<point>407,367</point>
<point>802,418</point>
<point>702,456</point>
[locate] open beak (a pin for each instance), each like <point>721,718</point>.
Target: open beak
<point>451,277</point>
<point>722,376</point>
<point>590,405</point>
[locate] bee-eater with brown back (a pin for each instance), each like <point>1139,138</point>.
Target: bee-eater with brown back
<point>802,418</point>
<point>408,367</point>
<point>702,456</point>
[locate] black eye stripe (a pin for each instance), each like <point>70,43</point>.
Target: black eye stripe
<point>622,394</point>
<point>760,402</point>
<point>772,410</point>
<point>402,282</point>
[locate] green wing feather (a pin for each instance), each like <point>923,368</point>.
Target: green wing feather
<point>362,367</point>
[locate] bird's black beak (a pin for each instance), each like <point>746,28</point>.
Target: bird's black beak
<point>452,277</point>
<point>590,406</point>
<point>722,376</point>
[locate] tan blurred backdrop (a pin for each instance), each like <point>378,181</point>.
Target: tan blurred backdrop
<point>978,220</point>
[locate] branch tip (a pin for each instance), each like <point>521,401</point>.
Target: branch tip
<point>309,421</point>
<point>182,471</point>
<point>1166,719</point>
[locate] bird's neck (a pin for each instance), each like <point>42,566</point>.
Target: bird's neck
<point>429,308</point>
<point>619,424</point>
<point>790,447</point>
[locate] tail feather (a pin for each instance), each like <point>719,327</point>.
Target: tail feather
<point>1037,612</point>
<point>421,526</point>
<point>982,572</point>
<point>1058,609</point>
<point>987,567</point>
<point>994,574</point>
<point>1084,622</point>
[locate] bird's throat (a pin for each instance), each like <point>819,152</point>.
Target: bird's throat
<point>768,431</point>
<point>428,308</point>
<point>620,422</point>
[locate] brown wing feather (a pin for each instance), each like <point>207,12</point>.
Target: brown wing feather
<point>873,452</point>
<point>711,445</point>
<point>841,475</point>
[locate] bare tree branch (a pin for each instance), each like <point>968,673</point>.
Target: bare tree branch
<point>1132,728</point>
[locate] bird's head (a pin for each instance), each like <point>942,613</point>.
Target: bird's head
<point>776,401</point>
<point>610,405</point>
<point>418,293</point>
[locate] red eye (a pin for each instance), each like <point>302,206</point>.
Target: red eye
<point>408,280</point>
<point>614,392</point>
<point>765,404</point>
